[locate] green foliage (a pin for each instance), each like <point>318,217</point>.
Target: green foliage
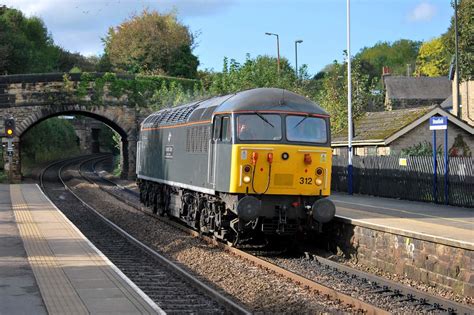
<point>424,148</point>
<point>139,90</point>
<point>465,38</point>
<point>25,44</point>
<point>109,140</point>
<point>433,58</point>
<point>51,139</point>
<point>333,93</point>
<point>333,96</point>
<point>395,55</point>
<point>27,47</point>
<point>259,72</point>
<point>460,147</point>
<point>152,43</point>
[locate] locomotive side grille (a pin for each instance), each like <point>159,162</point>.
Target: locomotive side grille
<point>283,180</point>
<point>197,139</point>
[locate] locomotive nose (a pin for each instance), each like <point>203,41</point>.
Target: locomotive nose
<point>323,210</point>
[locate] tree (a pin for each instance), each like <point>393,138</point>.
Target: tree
<point>50,139</point>
<point>152,42</point>
<point>465,38</point>
<point>333,94</point>
<point>433,58</point>
<point>394,55</point>
<point>253,73</point>
<point>25,45</point>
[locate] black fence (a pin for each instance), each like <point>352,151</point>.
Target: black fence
<point>388,176</point>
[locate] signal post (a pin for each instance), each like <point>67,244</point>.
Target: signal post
<point>10,155</point>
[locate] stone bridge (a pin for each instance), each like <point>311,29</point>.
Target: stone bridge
<point>31,99</point>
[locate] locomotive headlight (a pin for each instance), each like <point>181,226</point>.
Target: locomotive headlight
<point>318,181</point>
<point>246,179</point>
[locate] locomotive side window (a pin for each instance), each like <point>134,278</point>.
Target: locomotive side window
<point>226,129</point>
<point>306,129</point>
<point>217,128</point>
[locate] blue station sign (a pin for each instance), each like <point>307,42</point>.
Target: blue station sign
<point>438,123</point>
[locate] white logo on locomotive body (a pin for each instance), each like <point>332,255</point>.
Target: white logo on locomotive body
<point>243,155</point>
<point>169,136</point>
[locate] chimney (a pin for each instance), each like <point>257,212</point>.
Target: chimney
<point>386,71</point>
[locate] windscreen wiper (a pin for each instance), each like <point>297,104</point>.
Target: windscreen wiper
<point>299,122</point>
<point>264,119</point>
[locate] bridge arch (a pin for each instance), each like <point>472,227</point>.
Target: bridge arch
<point>113,121</point>
<point>122,119</point>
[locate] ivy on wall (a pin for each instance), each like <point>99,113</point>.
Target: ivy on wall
<point>134,91</point>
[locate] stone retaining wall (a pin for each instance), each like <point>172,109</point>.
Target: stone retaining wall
<point>427,261</point>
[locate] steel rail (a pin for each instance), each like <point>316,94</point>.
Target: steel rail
<point>300,280</point>
<point>224,301</point>
<point>438,303</point>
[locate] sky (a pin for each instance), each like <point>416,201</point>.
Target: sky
<point>235,28</point>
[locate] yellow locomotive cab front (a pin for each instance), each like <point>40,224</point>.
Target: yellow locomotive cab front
<point>276,169</point>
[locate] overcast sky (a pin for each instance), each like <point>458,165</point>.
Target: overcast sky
<point>234,28</point>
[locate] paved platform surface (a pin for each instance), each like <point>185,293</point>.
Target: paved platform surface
<point>453,226</point>
<point>48,266</point>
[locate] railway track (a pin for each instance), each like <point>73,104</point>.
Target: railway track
<point>372,287</point>
<point>169,285</point>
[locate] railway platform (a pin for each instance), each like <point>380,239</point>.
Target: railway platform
<point>448,225</point>
<point>430,243</point>
<point>47,266</point>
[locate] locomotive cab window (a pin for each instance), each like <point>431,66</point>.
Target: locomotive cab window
<point>226,129</point>
<point>216,134</point>
<point>306,129</point>
<point>222,129</point>
<point>266,127</point>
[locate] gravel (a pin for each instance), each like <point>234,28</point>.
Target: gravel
<point>259,290</point>
<point>430,289</point>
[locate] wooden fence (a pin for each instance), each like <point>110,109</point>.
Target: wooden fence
<point>384,176</point>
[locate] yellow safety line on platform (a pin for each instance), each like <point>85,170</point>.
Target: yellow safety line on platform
<point>57,292</point>
<point>400,210</point>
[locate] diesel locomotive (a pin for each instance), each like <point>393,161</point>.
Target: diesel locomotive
<point>239,166</point>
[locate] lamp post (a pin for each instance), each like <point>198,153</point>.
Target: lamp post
<point>278,49</point>
<point>458,98</point>
<point>349,101</point>
<point>299,41</point>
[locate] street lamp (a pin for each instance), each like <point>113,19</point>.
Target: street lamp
<point>456,50</point>
<point>278,49</point>
<point>299,41</point>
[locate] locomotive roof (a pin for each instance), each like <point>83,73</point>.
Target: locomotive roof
<point>270,99</point>
<point>261,99</point>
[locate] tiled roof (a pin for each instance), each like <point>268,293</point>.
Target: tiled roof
<point>419,88</point>
<point>381,125</point>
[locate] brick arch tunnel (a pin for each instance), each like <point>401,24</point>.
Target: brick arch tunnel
<point>128,135</point>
